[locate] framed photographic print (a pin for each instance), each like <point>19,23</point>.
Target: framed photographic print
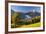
<point>24,17</point>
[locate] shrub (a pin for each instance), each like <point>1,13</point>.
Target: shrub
<point>36,19</point>
<point>26,23</point>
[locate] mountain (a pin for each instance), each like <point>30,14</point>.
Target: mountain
<point>28,15</point>
<point>12,12</point>
<point>33,14</point>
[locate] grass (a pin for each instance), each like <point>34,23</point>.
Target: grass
<point>31,25</point>
<point>36,24</point>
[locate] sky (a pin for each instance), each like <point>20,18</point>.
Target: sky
<point>25,8</point>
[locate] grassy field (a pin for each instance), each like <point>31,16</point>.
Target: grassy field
<point>31,25</point>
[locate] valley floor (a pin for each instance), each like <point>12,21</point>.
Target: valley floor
<point>31,25</point>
